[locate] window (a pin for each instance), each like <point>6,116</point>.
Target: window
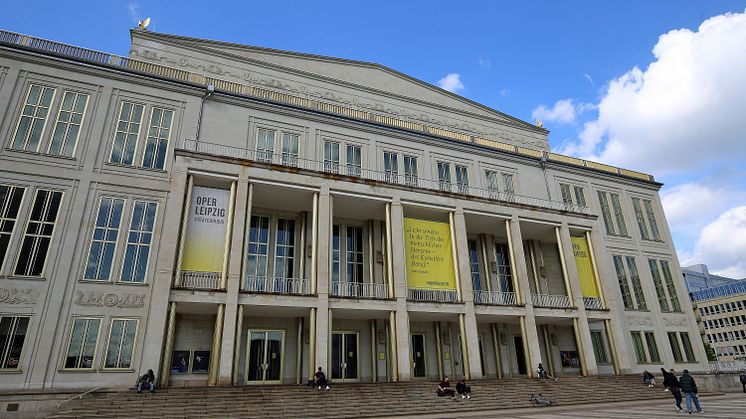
<point>67,127</point>
<point>675,348</point>
<point>81,349</point>
<point>290,149</point>
<point>104,240</point>
<point>646,219</point>
<point>348,258</point>
<point>127,131</point>
<point>636,285</point>
<point>572,195</point>
<point>630,300</point>
<point>12,337</point>
<point>354,254</point>
<point>623,285</point>
<point>354,160</point>
<point>687,344</point>
<point>566,195</point>
<point>33,118</point>
<point>444,176</point>
<point>38,235</point>
<point>265,144</point>
<point>10,203</point>
<point>476,276</point>
<point>668,302</point>
<point>121,343</point>
<point>490,177</point>
<point>462,178</point>
<point>502,257</point>
<point>156,144</point>
<point>391,167</point>
<point>331,156</point>
<point>652,347</point>
<point>639,348</point>
<point>580,196</point>
<point>599,349</point>
<point>139,239</point>
<point>271,267</point>
<point>336,253</point>
<point>284,248</point>
<point>258,248</point>
<point>410,170</point>
<point>508,183</point>
<point>615,225</point>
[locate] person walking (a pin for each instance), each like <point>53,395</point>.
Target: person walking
<point>689,387</point>
<point>671,383</point>
<point>743,382</point>
<point>463,389</point>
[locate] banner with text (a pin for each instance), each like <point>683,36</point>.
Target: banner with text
<point>585,267</point>
<point>429,255</point>
<point>205,237</point>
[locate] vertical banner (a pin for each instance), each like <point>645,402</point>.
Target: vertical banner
<point>205,238</point>
<point>585,267</point>
<point>429,255</point>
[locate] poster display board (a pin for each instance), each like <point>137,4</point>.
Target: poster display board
<point>585,267</point>
<point>206,226</point>
<point>429,255</point>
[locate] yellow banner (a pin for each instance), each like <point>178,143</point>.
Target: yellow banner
<point>429,254</point>
<point>585,267</point>
<point>206,226</point>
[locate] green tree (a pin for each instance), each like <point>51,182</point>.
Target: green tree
<point>711,356</point>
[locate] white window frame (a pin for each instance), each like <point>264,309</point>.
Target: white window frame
<point>24,145</point>
<point>104,241</point>
<point>86,332</point>
<point>121,344</point>
<point>139,244</point>
<point>128,132</point>
<point>45,209</point>
<point>67,124</point>
<point>158,139</point>
<point>5,352</point>
<point>4,218</point>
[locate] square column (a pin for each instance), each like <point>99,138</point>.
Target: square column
<point>322,277</point>
<point>399,271</point>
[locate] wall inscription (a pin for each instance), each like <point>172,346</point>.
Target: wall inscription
<point>18,295</point>
<point>101,299</point>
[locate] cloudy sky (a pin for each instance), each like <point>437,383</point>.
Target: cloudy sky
<point>655,86</point>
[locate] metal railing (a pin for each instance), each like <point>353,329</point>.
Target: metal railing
<point>360,290</point>
<point>200,280</point>
<point>80,396</point>
<point>592,303</point>
<point>720,367</point>
<point>436,296</point>
<point>549,300</point>
<point>334,168</point>
<point>494,298</point>
<point>271,285</point>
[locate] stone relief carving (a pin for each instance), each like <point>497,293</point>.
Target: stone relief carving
<point>101,299</point>
<point>18,295</point>
<point>679,322</point>
<point>259,80</point>
<point>639,321</point>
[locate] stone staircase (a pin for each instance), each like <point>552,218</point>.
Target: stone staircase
<point>358,400</point>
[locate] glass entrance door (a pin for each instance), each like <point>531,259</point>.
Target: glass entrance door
<point>345,356</point>
<point>264,356</point>
<point>418,356</point>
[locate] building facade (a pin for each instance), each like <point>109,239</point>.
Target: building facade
<point>721,314</point>
<point>698,277</point>
<point>226,214</point>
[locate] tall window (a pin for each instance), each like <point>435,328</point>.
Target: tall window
<point>33,118</point>
<point>67,127</point>
<point>579,196</point>
<point>490,177</point>
<point>258,247</point>
<point>13,331</point>
<point>646,219</point>
<point>639,348</point>
<point>476,276</point>
<point>290,149</point>
<point>675,347</point>
<point>624,277</point>
<point>354,160</point>
<point>331,156</point>
<point>10,203</point>
<point>121,343</point>
<point>462,178</point>
<point>566,194</point>
<point>687,344</point>
<point>265,144</point>
<point>504,275</point>
<point>391,166</point>
<point>667,296</point>
<point>354,254</point>
<point>444,176</point>
<point>81,350</point>
<point>127,131</point>
<point>572,195</point>
<point>623,284</point>
<point>139,239</point>
<point>336,253</point>
<point>652,347</point>
<point>156,144</point>
<point>104,240</point>
<point>284,248</point>
<point>348,265</point>
<point>410,170</point>
<point>599,349</point>
<point>38,234</point>
<point>611,209</point>
<point>508,183</point>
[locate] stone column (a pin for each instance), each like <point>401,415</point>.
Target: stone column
<point>168,347</point>
<point>217,346</point>
<point>323,278</point>
<point>399,271</point>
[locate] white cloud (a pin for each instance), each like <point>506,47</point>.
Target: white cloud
<point>485,62</point>
<point>132,8</point>
<point>687,106</point>
<point>690,205</point>
<point>451,82</point>
<point>722,244</point>
<point>563,112</point>
<point>589,78</point>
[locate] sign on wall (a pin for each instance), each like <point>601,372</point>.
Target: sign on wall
<point>429,254</point>
<point>206,226</point>
<point>585,267</point>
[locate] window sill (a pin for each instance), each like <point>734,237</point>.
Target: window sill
<point>77,370</point>
<point>109,282</point>
<point>127,166</point>
<point>110,370</point>
<point>9,371</point>
<point>39,153</point>
<point>641,310</point>
<point>24,278</point>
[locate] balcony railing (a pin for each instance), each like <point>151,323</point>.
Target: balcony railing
<point>549,300</point>
<point>356,172</point>
<point>592,303</point>
<point>270,285</point>
<point>200,280</point>
<point>360,290</point>
<point>436,296</point>
<point>494,298</point>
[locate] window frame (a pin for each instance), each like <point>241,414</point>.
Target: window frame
<point>158,141</point>
<point>21,115</point>
<point>68,123</point>
<point>93,234</point>
<point>5,352</point>
<point>51,234</point>
<point>121,344</point>
<point>87,329</point>
<point>4,219</point>
<point>139,244</point>
<point>117,121</point>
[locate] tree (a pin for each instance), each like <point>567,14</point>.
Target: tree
<point>711,356</point>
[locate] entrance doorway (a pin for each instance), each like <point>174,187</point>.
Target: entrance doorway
<point>345,359</point>
<point>264,356</point>
<point>418,356</point>
<point>520,356</point>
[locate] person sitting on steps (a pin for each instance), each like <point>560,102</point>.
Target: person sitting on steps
<point>147,381</point>
<point>463,389</point>
<point>320,379</point>
<point>444,389</point>
<point>648,378</point>
<point>542,373</point>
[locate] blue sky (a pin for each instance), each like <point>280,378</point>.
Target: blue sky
<point>656,86</point>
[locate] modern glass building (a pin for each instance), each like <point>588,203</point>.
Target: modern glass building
<point>228,214</point>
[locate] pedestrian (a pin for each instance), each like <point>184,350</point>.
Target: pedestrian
<point>320,379</point>
<point>689,387</point>
<point>648,378</point>
<point>743,382</point>
<point>542,373</point>
<point>147,381</point>
<point>444,389</point>
<point>463,389</point>
<point>671,383</point>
